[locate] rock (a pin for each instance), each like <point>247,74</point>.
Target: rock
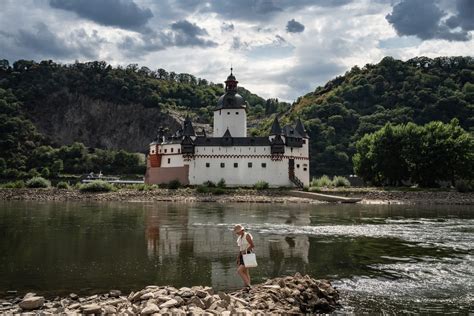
<point>32,302</point>
<point>91,308</point>
<point>136,296</point>
<point>201,293</point>
<point>225,297</point>
<point>115,293</point>
<point>196,301</point>
<point>74,306</point>
<point>27,295</point>
<point>282,283</point>
<point>92,297</point>
<point>108,310</point>
<point>12,292</point>
<point>169,304</point>
<point>73,296</point>
<point>147,296</point>
<point>150,309</point>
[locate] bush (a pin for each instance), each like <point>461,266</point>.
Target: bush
<point>33,173</point>
<point>174,184</point>
<point>62,185</point>
<point>464,186</point>
<point>14,185</point>
<point>221,183</point>
<point>218,191</point>
<point>45,172</point>
<point>324,181</point>
<point>261,185</point>
<point>209,184</point>
<point>143,187</point>
<point>38,182</point>
<point>202,189</point>
<point>339,181</point>
<point>96,186</point>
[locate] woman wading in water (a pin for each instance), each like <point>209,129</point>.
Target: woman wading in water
<point>245,243</point>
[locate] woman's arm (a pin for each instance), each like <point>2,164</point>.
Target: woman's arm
<point>250,241</point>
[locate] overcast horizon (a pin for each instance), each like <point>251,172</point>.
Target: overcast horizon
<point>278,48</point>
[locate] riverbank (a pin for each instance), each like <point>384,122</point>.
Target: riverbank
<point>286,295</point>
<point>368,195</point>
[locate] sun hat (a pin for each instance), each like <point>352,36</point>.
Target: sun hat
<point>238,228</point>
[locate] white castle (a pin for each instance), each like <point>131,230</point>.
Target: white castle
<point>281,159</point>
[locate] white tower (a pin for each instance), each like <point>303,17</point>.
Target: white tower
<point>231,111</point>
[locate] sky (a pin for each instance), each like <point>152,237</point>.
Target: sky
<point>278,48</point>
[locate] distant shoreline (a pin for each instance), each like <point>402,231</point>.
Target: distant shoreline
<point>189,195</point>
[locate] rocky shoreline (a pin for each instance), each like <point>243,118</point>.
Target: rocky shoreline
<point>286,295</point>
<point>369,196</point>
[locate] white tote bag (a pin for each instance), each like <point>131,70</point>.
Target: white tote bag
<point>250,260</point>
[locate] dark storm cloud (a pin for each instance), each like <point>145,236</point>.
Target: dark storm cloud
<point>294,26</point>
<point>121,13</point>
<point>185,33</point>
<point>423,19</point>
<point>40,42</point>
<point>465,16</point>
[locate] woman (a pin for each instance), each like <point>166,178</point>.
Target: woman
<point>245,243</point>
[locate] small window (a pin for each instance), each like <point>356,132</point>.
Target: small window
<point>169,160</point>
<point>264,165</point>
<point>236,113</point>
<point>297,166</point>
<point>236,165</point>
<point>166,150</point>
<point>222,165</point>
<point>208,164</point>
<point>228,113</point>
<point>304,141</point>
<point>179,150</point>
<point>304,169</point>
<point>172,149</point>
<point>250,165</point>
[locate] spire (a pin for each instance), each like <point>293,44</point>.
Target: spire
<point>300,128</point>
<point>276,129</point>
<point>188,129</point>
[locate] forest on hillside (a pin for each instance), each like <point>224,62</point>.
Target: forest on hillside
<point>363,100</point>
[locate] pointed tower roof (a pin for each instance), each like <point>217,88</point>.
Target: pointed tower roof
<point>300,128</point>
<point>231,99</point>
<point>227,133</point>
<point>276,129</point>
<point>188,129</point>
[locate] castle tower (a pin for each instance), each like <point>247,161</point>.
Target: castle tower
<point>231,111</point>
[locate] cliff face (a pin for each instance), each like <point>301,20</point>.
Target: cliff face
<point>68,118</point>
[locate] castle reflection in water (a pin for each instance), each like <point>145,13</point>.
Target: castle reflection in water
<point>206,234</point>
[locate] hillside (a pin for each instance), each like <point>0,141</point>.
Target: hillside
<point>112,107</point>
<point>419,90</point>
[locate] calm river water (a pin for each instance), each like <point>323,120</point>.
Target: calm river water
<point>389,259</point>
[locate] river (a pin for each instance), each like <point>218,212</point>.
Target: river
<point>382,258</point>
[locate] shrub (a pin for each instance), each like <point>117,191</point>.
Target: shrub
<point>143,187</point>
<point>323,181</point>
<point>38,182</point>
<point>209,184</point>
<point>464,186</point>
<point>62,185</point>
<point>45,172</point>
<point>33,173</point>
<point>221,183</point>
<point>11,173</point>
<point>96,186</point>
<point>202,189</point>
<point>174,184</point>
<point>14,185</point>
<point>261,185</point>
<point>339,181</point>
<point>218,191</point>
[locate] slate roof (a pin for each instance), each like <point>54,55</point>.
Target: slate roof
<point>231,100</point>
<point>276,129</point>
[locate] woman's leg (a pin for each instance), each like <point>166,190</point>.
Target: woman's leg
<point>247,272</point>
<point>243,274</point>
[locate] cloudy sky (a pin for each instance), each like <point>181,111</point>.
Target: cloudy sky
<point>278,48</point>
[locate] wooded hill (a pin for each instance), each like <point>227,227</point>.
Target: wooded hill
<point>122,107</point>
<point>363,100</point>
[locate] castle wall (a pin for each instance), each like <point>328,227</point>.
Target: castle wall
<point>167,174</point>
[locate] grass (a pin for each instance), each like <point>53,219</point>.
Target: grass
<point>96,186</point>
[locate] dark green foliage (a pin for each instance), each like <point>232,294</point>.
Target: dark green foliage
<point>362,101</point>
<point>96,186</point>
<point>261,185</point>
<point>62,185</point>
<point>464,186</point>
<point>202,189</point>
<point>221,183</point>
<point>38,182</point>
<point>425,155</point>
<point>323,181</point>
<point>339,181</point>
<point>218,191</point>
<point>19,184</point>
<point>209,184</point>
<point>174,184</point>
